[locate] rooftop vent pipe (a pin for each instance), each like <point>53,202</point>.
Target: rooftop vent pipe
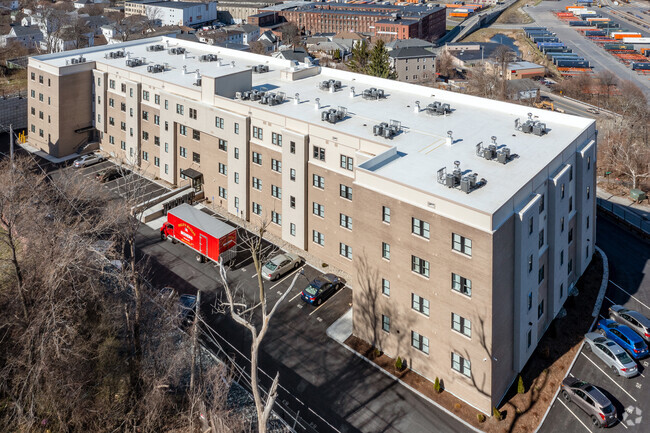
<point>352,92</point>
<point>450,138</point>
<point>317,105</point>
<point>296,99</point>
<point>416,109</point>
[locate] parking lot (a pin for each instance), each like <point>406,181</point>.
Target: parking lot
<point>629,285</point>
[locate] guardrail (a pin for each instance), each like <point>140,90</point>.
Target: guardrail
<point>630,217</point>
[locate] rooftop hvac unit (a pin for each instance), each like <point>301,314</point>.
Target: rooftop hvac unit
<point>132,63</point>
<point>176,50</point>
<point>197,82</point>
<point>533,127</point>
<point>387,130</point>
<point>116,54</point>
<point>260,69</point>
<point>155,47</point>
<point>154,69</point>
<point>333,115</point>
<point>270,98</point>
<point>503,155</point>
<point>332,85</point>
<point>74,60</point>
<point>468,183</point>
<point>455,179</point>
<point>373,93</point>
<point>438,108</point>
<point>539,128</point>
<point>208,58</point>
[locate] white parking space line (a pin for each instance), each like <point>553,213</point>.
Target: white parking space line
<point>574,415</point>
<point>629,294</point>
<point>331,297</point>
<point>610,300</point>
<point>285,277</point>
<point>609,377</point>
<point>297,294</point>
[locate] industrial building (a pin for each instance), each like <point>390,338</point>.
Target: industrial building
<point>173,13</point>
<point>464,222</point>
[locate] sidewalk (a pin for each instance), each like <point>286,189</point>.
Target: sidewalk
<point>37,152</point>
<point>642,209</point>
<point>635,214</point>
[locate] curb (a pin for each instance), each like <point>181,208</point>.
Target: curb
<point>599,303</point>
<point>413,390</point>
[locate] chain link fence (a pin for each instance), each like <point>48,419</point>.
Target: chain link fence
<point>632,218</point>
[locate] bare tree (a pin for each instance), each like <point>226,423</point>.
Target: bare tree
<point>503,57</point>
<point>257,47</point>
<point>243,312</point>
<point>445,64</point>
<point>126,27</point>
<point>76,32</point>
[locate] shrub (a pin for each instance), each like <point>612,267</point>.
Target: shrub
<point>376,353</point>
<point>436,385</point>
<point>398,364</point>
<point>520,386</point>
<point>480,417</point>
<point>457,406</point>
<point>496,414</point>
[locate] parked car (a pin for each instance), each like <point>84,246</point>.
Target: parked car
<point>611,354</point>
<point>88,160</point>
<point>188,305</point>
<point>593,111</point>
<point>589,398</point>
<point>280,265</point>
<point>624,337</point>
<point>632,319</point>
<point>108,174</point>
<point>321,288</point>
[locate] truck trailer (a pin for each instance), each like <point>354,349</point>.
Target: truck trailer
<point>210,238</point>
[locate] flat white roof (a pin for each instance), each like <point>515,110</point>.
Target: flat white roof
<point>422,147</point>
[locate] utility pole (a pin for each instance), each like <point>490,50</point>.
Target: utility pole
<point>11,144</point>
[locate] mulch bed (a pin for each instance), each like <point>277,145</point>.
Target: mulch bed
<point>541,375</point>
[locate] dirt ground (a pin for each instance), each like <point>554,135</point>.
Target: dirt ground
<point>514,14</point>
<point>541,376</point>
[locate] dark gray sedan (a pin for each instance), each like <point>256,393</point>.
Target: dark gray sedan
<point>589,398</point>
<point>632,319</point>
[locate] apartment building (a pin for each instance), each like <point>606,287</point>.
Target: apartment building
<point>465,226</point>
<point>172,13</point>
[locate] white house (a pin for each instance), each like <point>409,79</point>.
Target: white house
<point>78,4</point>
<point>170,13</point>
<point>28,36</point>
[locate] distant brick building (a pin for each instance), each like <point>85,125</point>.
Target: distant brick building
<point>385,21</point>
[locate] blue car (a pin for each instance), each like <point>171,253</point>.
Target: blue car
<point>321,288</point>
<point>624,336</point>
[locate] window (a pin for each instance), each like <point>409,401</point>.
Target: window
<point>587,252</point>
<point>183,151</point>
<point>420,228</point>
<point>257,209</point>
<point>123,87</point>
<point>385,214</point>
<point>345,192</point>
<point>461,364</point>
<point>236,150</point>
<point>196,135</point>
<point>33,111</point>
<point>587,221</point>
<point>318,237</point>
<point>540,309</point>
<point>292,147</point>
<point>40,97</point>
<point>462,325</point>
<point>319,153</point>
<point>420,304</point>
<point>258,133</point>
<point>237,203</point>
<point>345,250</point>
<point>223,169</point>
<point>223,193</point>
<point>166,169</point>
<point>166,126</point>
<point>318,181</point>
<point>276,191</point>
<point>570,267</point>
<point>145,156</point>
<point>193,113</point>
<point>345,221</point>
<point>182,129</point>
<point>218,122</point>
<point>156,99</point>
<point>420,266</point>
<point>33,93</point>
<point>276,165</point>
<point>236,178</point>
<point>562,224</point>
<point>541,204</point>
<point>145,95</point>
<point>180,109</point>
<point>166,104</point>
<point>318,210</point>
<point>111,102</point>
<point>529,338</point>
<point>156,161</point>
<point>385,323</point>
<point>257,158</point>
<point>123,145</point>
<point>111,139</point>
<point>33,76</point>
<point>276,218</point>
<point>562,191</point>
<point>529,301</point>
<point>561,257</point>
<point>131,93</point>
<point>223,145</point>
<point>156,140</point>
<point>111,84</point>
<point>540,275</point>
<point>420,342</point>
<point>145,135</point>
<point>123,126</point>
<point>347,162</point>
<point>292,202</point>
<point>196,157</point>
<point>292,229</point>
<point>561,290</point>
<point>385,250</point>
<point>257,183</point>
<point>570,235</point>
<point>541,238</point>
<point>461,284</point>
<point>236,128</point>
<point>123,106</point>
<point>166,147</point>
<point>156,119</point>
<point>292,174</point>
<point>588,162</point>
<point>588,192</point>
<point>461,244</point>
<point>570,204</point>
<point>276,139</point>
<point>385,287</point>
<point>570,173</point>
<point>530,225</point>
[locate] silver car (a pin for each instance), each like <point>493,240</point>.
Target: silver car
<point>87,160</point>
<point>280,265</point>
<point>611,354</point>
<point>632,319</point>
<point>589,398</point>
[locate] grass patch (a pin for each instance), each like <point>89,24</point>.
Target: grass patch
<point>514,14</point>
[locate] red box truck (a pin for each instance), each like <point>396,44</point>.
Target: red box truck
<point>210,238</point>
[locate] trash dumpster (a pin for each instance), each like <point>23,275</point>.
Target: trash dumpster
<point>637,196</point>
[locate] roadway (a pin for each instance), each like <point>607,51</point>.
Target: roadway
<point>600,59</point>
